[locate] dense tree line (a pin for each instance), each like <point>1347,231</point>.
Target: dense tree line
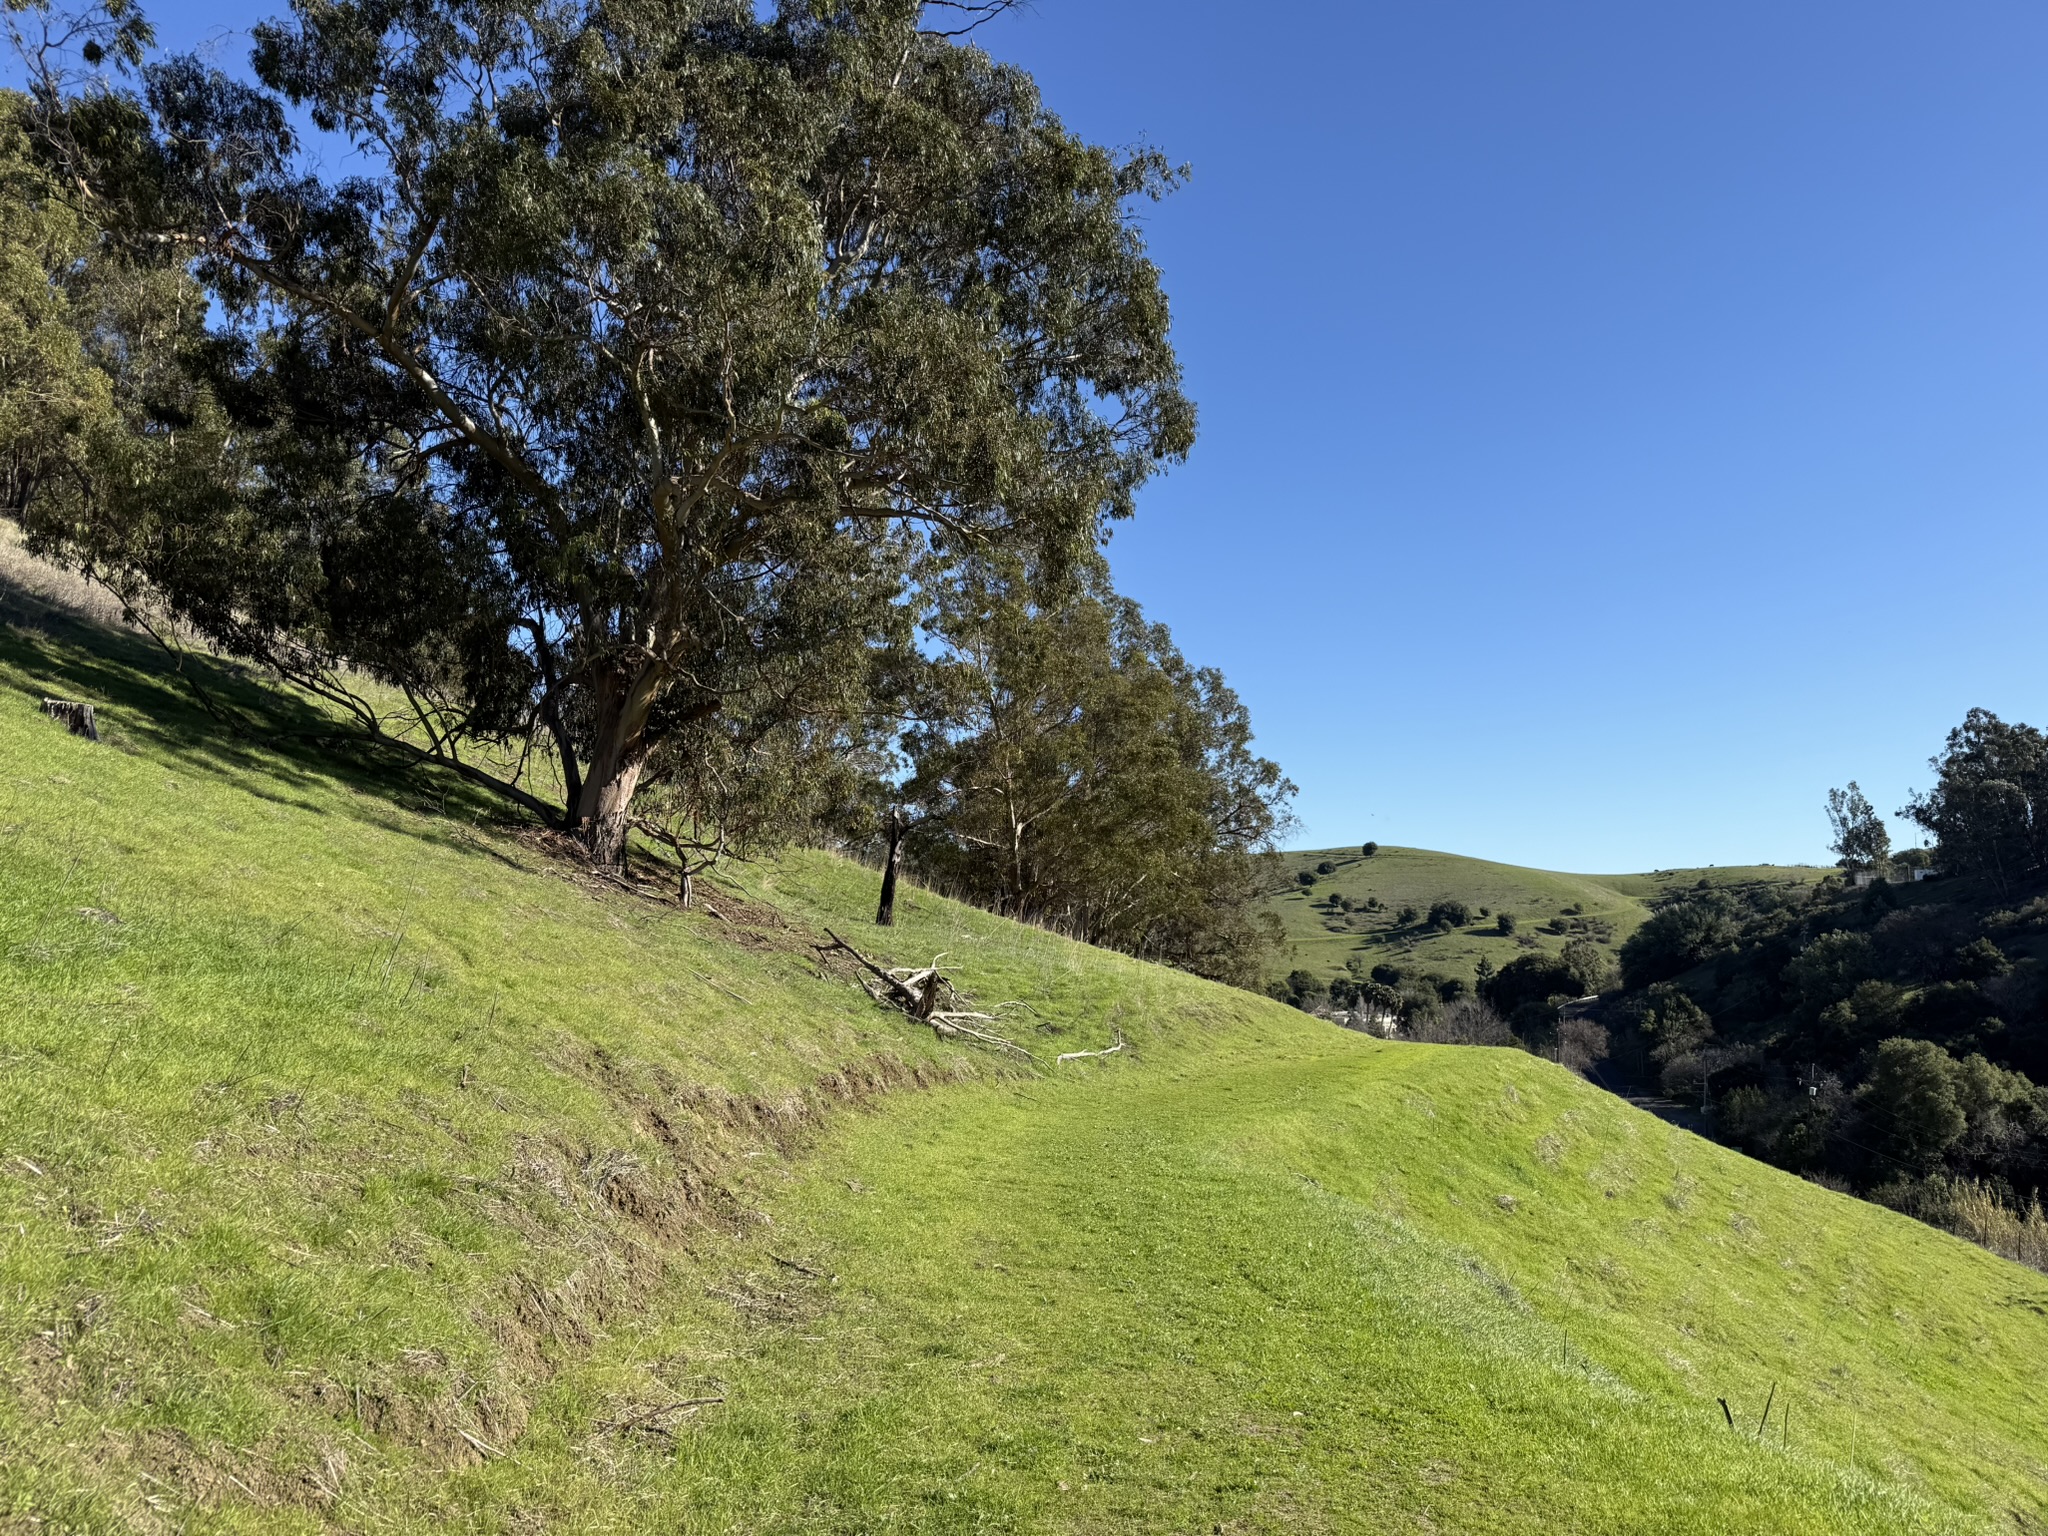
<point>730,401</point>
<point>1893,1036</point>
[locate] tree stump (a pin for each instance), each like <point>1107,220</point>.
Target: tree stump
<point>73,716</point>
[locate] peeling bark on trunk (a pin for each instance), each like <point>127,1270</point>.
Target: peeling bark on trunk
<point>618,754</point>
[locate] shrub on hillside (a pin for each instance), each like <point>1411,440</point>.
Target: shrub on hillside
<point>1677,937</point>
<point>1532,980</point>
<point>1449,913</point>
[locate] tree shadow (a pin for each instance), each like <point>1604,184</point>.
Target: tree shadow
<point>49,650</point>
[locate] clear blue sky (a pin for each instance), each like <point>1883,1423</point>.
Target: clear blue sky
<point>1586,389</point>
<point>1620,423</point>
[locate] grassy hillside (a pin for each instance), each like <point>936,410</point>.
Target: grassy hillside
<point>1604,908</point>
<point>365,1168</point>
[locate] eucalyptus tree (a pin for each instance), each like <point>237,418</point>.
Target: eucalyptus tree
<point>640,356</point>
<point>1068,764</point>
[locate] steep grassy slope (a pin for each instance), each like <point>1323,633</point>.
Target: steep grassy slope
<point>1606,908</point>
<point>362,1169</point>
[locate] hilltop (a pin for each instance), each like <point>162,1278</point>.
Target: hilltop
<point>367,1164</point>
<point>1549,908</point>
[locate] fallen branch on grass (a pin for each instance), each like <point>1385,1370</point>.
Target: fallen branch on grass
<point>1083,1055</point>
<point>918,991</point>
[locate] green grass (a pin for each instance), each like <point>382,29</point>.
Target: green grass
<point>1612,906</point>
<point>360,1169</point>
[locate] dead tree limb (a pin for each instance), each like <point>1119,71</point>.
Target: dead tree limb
<point>1082,1055</point>
<point>918,990</point>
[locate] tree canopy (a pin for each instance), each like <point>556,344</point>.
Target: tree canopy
<point>1068,764</point>
<point>1861,838</point>
<point>1988,810</point>
<point>642,360</point>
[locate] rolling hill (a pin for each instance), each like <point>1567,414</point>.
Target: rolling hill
<point>1549,908</point>
<point>365,1165</point>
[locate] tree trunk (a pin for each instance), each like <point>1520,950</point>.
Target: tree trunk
<point>885,914</point>
<point>617,755</point>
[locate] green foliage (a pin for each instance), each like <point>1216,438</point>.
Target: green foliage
<point>1367,850</point>
<point>1068,765</point>
<point>1988,810</point>
<point>1305,878</point>
<point>1533,979</point>
<point>1611,906</point>
<point>1675,1024</point>
<point>1979,960</point>
<point>1588,967</point>
<point>1912,1099</point>
<point>1677,937</point>
<point>636,361</point>
<point>1505,923</point>
<point>1326,868</point>
<point>1406,916</point>
<point>1860,834</point>
<point>1449,913</point>
<point>100,417</point>
<point>1829,969</point>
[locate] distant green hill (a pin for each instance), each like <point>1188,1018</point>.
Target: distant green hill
<point>366,1167</point>
<point>1549,908</point>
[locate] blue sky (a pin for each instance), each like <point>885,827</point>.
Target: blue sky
<point>1620,423</point>
<point>1586,388</point>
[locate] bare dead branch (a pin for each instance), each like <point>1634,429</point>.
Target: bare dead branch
<point>918,992</point>
<point>1083,1055</point>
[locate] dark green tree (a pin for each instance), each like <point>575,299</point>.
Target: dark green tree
<point>1588,967</point>
<point>1449,913</point>
<point>1912,1101</point>
<point>1988,810</point>
<point>1070,765</point>
<point>1677,937</point>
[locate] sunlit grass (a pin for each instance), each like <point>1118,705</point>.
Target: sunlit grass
<point>362,1169</point>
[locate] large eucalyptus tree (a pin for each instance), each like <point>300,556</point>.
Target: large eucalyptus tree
<point>663,343</point>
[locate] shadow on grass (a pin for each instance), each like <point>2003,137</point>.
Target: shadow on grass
<point>46,650</point>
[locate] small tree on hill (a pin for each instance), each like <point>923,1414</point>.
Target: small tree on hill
<point>1367,850</point>
<point>1449,913</point>
<point>1860,835</point>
